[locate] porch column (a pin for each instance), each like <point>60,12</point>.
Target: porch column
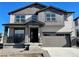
<point>39,35</point>
<point>29,35</point>
<point>5,34</point>
<point>26,35</point>
<point>11,35</point>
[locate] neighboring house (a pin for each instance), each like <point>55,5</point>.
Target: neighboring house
<point>1,41</point>
<point>0,37</point>
<point>39,24</point>
<point>76,20</point>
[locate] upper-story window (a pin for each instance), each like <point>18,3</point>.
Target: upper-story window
<point>20,18</point>
<point>50,16</point>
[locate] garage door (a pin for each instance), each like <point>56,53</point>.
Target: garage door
<point>52,39</point>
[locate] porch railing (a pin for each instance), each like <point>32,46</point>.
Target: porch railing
<point>13,39</point>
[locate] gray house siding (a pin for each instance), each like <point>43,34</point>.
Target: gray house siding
<point>51,28</point>
<point>77,27</point>
<point>28,11</point>
<point>52,41</point>
<point>59,19</point>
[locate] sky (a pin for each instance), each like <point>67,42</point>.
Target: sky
<point>6,7</point>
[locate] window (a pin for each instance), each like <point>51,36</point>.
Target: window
<point>19,32</point>
<point>50,16</point>
<point>19,35</point>
<point>20,18</point>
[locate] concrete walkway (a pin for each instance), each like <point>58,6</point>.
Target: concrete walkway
<point>62,52</point>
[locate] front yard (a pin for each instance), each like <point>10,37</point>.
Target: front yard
<point>15,52</point>
<point>51,52</point>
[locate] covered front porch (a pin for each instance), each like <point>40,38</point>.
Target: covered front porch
<point>22,34</point>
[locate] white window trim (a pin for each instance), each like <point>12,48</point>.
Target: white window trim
<point>50,17</point>
<point>20,19</point>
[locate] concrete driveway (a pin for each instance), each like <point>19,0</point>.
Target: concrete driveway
<point>62,52</point>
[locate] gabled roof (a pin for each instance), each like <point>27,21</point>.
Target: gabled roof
<point>37,5</point>
<point>35,22</point>
<point>41,7</point>
<point>51,7</point>
<point>76,18</point>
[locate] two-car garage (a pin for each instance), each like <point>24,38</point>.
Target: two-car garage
<point>50,39</point>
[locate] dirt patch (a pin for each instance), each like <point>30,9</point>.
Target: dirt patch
<point>18,53</point>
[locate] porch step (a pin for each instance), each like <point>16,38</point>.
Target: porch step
<point>33,44</point>
<point>35,48</point>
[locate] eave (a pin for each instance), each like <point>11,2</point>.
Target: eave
<point>76,18</point>
<point>51,8</point>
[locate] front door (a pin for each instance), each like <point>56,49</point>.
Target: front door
<point>34,35</point>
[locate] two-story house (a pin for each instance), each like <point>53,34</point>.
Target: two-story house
<point>39,24</point>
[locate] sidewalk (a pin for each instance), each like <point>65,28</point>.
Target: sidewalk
<point>62,51</point>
